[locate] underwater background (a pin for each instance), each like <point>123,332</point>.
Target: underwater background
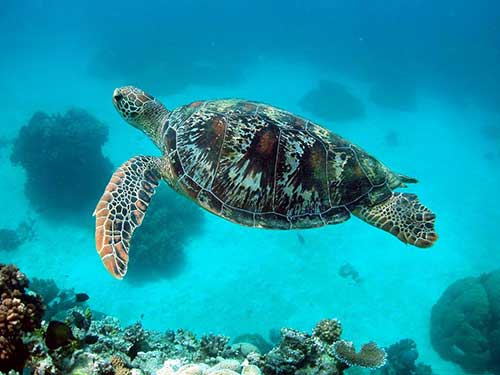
<point>415,83</point>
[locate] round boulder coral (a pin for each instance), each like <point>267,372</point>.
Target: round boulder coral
<point>328,330</point>
<point>465,323</point>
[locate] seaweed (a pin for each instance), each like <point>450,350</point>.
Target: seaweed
<point>65,167</point>
<point>158,245</point>
<point>332,101</point>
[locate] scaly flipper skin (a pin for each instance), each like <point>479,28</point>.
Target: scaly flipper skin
<point>121,210</point>
<point>403,216</point>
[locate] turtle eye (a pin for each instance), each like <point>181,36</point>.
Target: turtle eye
<point>118,97</point>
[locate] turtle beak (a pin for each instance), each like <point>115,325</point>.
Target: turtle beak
<point>117,96</point>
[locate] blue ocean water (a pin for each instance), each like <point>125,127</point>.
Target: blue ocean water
<point>426,73</point>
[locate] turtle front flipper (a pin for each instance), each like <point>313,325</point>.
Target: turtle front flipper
<point>403,216</point>
<point>121,210</point>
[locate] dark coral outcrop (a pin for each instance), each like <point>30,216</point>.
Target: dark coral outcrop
<point>65,168</point>
<point>465,323</point>
<point>333,102</point>
<point>401,360</point>
<point>158,245</point>
<point>20,314</point>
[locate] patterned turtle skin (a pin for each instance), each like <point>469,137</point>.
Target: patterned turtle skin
<point>260,166</point>
<point>252,164</point>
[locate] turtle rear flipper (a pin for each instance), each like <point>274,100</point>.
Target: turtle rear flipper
<point>121,210</point>
<point>403,216</point>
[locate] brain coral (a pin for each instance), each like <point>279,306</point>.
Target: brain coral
<point>465,323</point>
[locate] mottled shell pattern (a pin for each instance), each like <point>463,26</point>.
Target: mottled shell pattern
<point>260,166</point>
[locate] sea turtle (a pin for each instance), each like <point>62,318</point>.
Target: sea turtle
<point>252,164</point>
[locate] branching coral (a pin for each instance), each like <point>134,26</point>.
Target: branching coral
<point>212,346</point>
<point>158,244</point>
<point>62,156</point>
<point>20,314</point>
<point>465,323</point>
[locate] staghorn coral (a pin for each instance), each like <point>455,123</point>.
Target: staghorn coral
<point>212,346</point>
<point>370,355</point>
<point>465,323</point>
<point>328,330</point>
<point>64,164</point>
<point>158,245</point>
<point>20,314</point>
<point>119,366</point>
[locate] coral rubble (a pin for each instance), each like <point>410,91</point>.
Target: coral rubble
<point>64,164</point>
<point>465,323</point>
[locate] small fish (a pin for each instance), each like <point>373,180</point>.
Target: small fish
<point>91,339</point>
<point>142,316</point>
<point>81,297</point>
<point>301,239</point>
<point>58,334</point>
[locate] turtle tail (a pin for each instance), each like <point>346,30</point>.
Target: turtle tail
<point>396,180</point>
<point>406,179</point>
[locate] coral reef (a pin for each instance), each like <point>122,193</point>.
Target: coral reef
<point>465,323</point>
<point>11,239</point>
<point>158,245</point>
<point>103,347</point>
<point>401,358</point>
<point>332,101</point>
<point>81,343</point>
<point>319,353</point>
<point>20,314</point>
<point>66,170</point>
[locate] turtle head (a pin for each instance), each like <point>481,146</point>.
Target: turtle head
<point>140,110</point>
